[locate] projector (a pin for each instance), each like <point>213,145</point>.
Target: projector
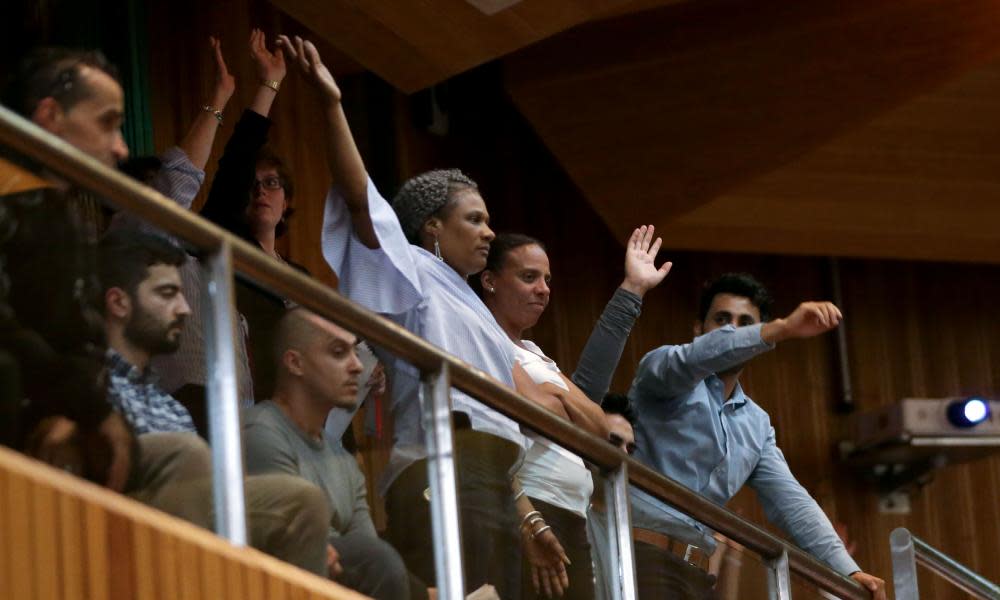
<point>946,430</point>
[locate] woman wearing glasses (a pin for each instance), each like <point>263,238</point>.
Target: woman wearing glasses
<point>251,197</point>
<point>555,484</point>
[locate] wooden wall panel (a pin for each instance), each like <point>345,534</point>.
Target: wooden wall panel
<point>127,544</point>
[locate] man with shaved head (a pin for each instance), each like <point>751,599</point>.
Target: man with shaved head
<point>317,371</point>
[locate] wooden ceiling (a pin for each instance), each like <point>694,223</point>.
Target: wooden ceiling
<point>829,127</point>
<point>413,45</point>
<point>843,128</point>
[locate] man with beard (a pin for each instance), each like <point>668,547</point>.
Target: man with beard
<point>696,426</point>
<point>144,315</point>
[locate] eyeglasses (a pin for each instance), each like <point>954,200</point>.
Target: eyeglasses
<point>268,183</point>
<point>619,442</point>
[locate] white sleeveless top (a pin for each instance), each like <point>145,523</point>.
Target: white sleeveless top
<point>551,473</point>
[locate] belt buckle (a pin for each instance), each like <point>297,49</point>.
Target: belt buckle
<point>688,551</point>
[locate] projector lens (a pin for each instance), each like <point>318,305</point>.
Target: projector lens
<point>968,412</point>
<point>975,410</point>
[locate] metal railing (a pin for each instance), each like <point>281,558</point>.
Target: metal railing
<point>221,252</point>
<point>909,550</point>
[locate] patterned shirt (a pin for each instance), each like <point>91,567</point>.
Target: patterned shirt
<point>179,179</point>
<point>139,398</point>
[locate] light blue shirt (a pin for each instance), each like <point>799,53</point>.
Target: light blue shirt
<point>410,286</point>
<point>689,432</point>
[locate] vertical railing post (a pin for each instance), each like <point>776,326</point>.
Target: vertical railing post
<point>779,584</point>
<point>223,404</point>
<point>904,565</point>
<point>622,550</point>
<point>445,528</point>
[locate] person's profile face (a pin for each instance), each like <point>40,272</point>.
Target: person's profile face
<point>93,124</point>
<point>465,233</point>
<point>330,364</point>
<point>159,311</point>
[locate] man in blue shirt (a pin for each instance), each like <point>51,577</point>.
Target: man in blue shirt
<point>697,427</point>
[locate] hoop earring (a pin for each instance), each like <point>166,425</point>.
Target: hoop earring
<point>437,249</point>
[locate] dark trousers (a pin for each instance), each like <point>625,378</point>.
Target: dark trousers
<point>374,568</point>
<point>491,549</point>
<point>662,576</point>
<point>571,530</point>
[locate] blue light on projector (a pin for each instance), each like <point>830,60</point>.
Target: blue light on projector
<point>968,412</point>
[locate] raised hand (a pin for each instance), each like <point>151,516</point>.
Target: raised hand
<point>304,54</point>
<point>641,274</point>
<point>270,65</point>
<point>808,320</point>
<point>225,84</point>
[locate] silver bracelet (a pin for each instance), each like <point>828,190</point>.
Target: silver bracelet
<point>540,531</point>
<point>214,111</point>
<point>533,513</point>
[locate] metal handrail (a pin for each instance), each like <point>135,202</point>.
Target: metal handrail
<point>126,194</point>
<point>908,550</point>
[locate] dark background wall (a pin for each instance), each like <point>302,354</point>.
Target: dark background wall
<point>913,329</point>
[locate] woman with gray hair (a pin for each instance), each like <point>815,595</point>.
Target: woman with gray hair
<point>410,261</point>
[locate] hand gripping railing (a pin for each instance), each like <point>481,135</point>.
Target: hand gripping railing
<point>221,252</point>
<point>909,550</point>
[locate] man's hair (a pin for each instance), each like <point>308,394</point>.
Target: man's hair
<point>295,330</point>
<point>52,72</point>
<point>736,284</point>
<point>427,195</point>
<point>618,404</point>
<point>268,158</point>
<point>125,255</point>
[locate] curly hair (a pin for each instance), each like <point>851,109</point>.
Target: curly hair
<point>737,284</point>
<point>428,195</point>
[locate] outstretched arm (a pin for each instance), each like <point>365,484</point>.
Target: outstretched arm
<point>229,195</point>
<point>270,72</point>
<point>197,143</point>
<point>809,319</point>
<point>604,348</point>
<point>346,167</point>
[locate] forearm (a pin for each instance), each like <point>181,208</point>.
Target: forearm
<point>262,100</point>
<point>603,350</point>
<point>347,170</point>
<point>197,142</point>
<point>672,370</point>
<point>584,413</point>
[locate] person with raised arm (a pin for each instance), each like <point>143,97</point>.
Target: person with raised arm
<point>557,485</point>
<point>697,426</point>
<point>178,173</point>
<point>251,196</point>
<point>410,262</point>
